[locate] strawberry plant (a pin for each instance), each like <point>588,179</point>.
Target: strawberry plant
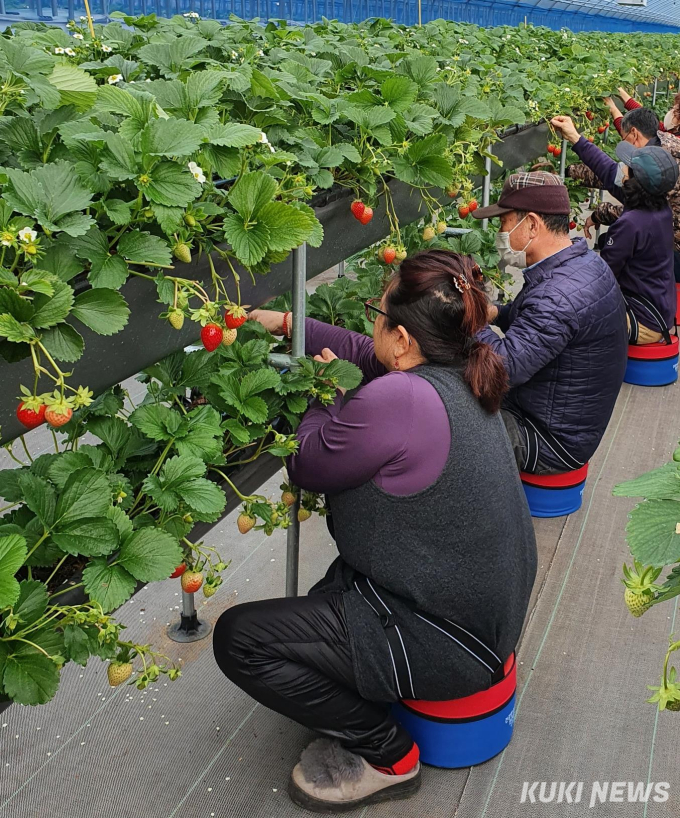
<point>653,534</point>
<point>118,510</point>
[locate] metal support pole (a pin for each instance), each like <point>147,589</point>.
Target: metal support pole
<point>486,190</point>
<point>656,85</point>
<point>297,351</point>
<point>189,628</point>
<point>563,160</point>
<point>341,269</point>
<point>601,196</point>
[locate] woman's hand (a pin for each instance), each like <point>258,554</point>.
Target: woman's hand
<point>270,320</point>
<point>566,127</point>
<point>625,96</point>
<point>613,108</point>
<point>327,355</point>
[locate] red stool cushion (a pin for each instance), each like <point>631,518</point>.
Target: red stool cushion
<point>486,701</point>
<point>569,478</point>
<point>654,352</point>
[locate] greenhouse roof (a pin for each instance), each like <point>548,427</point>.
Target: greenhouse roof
<point>665,12</point>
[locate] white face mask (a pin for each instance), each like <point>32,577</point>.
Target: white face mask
<point>510,257</point>
<point>619,180</point>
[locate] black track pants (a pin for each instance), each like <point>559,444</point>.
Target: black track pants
<point>293,656</point>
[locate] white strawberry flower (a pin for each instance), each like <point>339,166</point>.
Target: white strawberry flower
<point>83,19</point>
<point>197,172</point>
<point>107,49</point>
<point>260,53</point>
<point>70,52</point>
<point>78,36</point>
<point>147,79</point>
<point>192,14</point>
<point>114,78</point>
<point>27,235</point>
<point>59,50</point>
<point>263,138</point>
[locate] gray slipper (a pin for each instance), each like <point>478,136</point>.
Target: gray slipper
<point>330,778</point>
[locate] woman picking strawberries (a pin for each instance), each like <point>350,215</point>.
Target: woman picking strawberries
<point>437,552</point>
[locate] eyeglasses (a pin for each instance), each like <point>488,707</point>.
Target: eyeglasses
<point>372,310</point>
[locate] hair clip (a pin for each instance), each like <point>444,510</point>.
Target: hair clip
<point>460,282</point>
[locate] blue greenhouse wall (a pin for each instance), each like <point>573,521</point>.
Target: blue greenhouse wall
<point>480,12</point>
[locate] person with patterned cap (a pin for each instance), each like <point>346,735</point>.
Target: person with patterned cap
<point>565,339</point>
<point>638,247</point>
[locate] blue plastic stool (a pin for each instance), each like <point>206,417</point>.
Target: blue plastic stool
<point>463,732</point>
<point>652,364</point>
<point>554,495</point>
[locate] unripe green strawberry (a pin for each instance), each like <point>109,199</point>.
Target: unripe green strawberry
<point>428,233</point>
<point>189,220</point>
<point>676,455</point>
<point>191,581</point>
<point>288,498</point>
<point>441,227</point>
<point>245,522</point>
<point>637,603</point>
<point>229,337</point>
<point>452,191</point>
<point>176,319</point>
<point>209,590</point>
<point>401,254</point>
<point>182,252</point>
<point>118,672</point>
<point>673,705</point>
<point>304,514</point>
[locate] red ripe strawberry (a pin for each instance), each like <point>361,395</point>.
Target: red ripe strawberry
<point>29,418</point>
<point>590,116</point>
<point>389,255</point>
<point>551,149</point>
<point>58,417</point>
<point>178,571</point>
<point>366,216</point>
<point>472,205</point>
<point>591,139</point>
<point>463,211</point>
<point>606,124</point>
<point>572,225</point>
<point>601,129</point>
<point>211,335</point>
<point>191,581</point>
<point>235,317</point>
<point>557,151</point>
<point>357,207</point>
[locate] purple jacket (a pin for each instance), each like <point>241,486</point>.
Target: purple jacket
<point>565,349</point>
<point>638,247</point>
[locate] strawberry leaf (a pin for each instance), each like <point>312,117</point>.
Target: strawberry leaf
<point>103,311</point>
<point>64,343</point>
<point>171,137</point>
<point>90,536</point>
<point>32,602</point>
<point>30,677</point>
<point>86,493</point>
<point>12,556</point>
<point>150,554</point>
<point>652,532</point>
<point>109,585</point>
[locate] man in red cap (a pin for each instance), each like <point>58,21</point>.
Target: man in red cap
<point>565,340</point>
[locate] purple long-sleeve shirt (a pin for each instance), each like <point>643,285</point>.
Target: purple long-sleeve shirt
<point>638,247</point>
<point>394,431</point>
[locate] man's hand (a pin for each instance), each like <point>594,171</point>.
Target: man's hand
<point>566,127</point>
<point>625,96</point>
<point>270,320</point>
<point>491,313</point>
<point>586,227</point>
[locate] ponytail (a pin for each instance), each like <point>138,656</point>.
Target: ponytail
<point>437,299</point>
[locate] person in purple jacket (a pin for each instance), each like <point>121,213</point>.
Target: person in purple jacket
<point>638,247</point>
<point>437,550</point>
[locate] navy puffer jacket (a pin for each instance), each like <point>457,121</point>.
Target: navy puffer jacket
<point>565,349</point>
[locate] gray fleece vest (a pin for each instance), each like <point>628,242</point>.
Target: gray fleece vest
<point>462,549</point>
